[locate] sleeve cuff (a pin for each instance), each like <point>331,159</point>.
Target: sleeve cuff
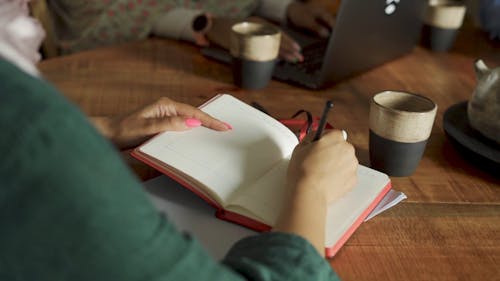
<point>282,256</point>
<point>176,24</point>
<point>273,9</point>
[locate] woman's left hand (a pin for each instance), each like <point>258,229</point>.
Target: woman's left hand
<point>131,129</point>
<point>312,17</point>
<point>220,34</point>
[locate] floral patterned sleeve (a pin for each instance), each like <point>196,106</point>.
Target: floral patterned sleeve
<point>20,35</point>
<point>85,24</point>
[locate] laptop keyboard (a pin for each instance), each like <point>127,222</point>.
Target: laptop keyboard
<point>304,73</point>
<point>313,57</point>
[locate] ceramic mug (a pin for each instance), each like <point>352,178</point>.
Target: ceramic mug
<point>254,49</point>
<point>442,21</point>
<point>400,125</point>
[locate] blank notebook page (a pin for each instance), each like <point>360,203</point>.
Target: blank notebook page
<point>225,160</point>
<point>345,211</point>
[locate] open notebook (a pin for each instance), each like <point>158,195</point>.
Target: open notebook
<point>192,215</point>
<point>242,172</point>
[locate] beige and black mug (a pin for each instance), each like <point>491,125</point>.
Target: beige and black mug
<point>400,125</point>
<point>442,21</point>
<point>254,49</point>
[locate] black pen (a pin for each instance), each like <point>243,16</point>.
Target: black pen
<point>322,121</point>
<point>260,107</point>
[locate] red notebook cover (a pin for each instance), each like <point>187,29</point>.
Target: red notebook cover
<point>331,251</point>
<point>254,224</point>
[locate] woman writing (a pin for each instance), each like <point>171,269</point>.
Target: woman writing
<point>71,210</point>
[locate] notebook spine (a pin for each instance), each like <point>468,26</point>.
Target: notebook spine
<point>136,154</point>
<point>331,251</point>
<point>242,220</point>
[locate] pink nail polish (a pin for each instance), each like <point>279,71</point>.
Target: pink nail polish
<point>228,126</point>
<point>193,122</point>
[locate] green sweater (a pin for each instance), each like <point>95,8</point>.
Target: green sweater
<point>71,210</point>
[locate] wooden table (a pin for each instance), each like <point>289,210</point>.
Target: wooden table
<point>447,229</point>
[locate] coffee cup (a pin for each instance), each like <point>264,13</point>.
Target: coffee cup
<point>442,22</point>
<point>400,125</point>
<point>254,49</point>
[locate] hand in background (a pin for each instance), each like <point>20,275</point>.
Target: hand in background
<point>312,17</point>
<point>163,115</point>
<point>289,49</point>
<point>220,33</point>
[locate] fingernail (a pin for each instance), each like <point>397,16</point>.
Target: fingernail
<point>228,126</point>
<point>344,134</point>
<point>193,122</point>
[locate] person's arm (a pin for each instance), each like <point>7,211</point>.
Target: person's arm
<point>73,211</point>
<point>320,172</point>
<point>131,129</point>
<point>179,24</point>
<point>312,17</point>
<point>303,14</point>
<point>192,24</point>
<point>203,29</point>
<point>83,25</point>
<point>305,215</point>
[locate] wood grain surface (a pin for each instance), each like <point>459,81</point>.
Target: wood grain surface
<point>447,229</point>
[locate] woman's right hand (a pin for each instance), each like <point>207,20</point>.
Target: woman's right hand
<point>326,167</point>
<point>319,172</point>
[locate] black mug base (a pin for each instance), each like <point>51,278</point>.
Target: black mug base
<point>438,39</point>
<point>250,74</point>
<point>394,158</point>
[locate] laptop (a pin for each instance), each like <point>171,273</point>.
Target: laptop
<point>366,34</point>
